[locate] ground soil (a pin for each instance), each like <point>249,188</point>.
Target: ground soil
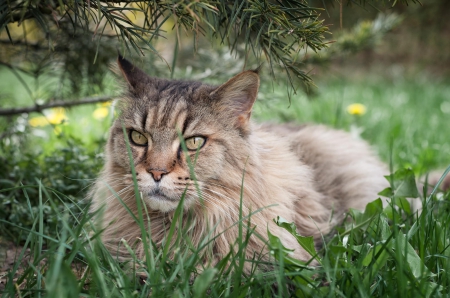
<point>9,253</point>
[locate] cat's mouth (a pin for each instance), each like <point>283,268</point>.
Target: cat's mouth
<point>158,194</point>
<point>157,199</point>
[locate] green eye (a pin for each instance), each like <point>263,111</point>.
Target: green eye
<point>195,143</point>
<point>138,138</point>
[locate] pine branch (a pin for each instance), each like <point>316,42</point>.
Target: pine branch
<point>278,31</point>
<point>37,46</point>
<point>54,104</point>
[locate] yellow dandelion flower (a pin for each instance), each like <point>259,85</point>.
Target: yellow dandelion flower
<point>100,113</point>
<point>57,116</point>
<point>356,109</point>
<point>106,104</point>
<point>38,121</point>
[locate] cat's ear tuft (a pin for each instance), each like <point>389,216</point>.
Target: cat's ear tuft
<point>135,77</point>
<point>238,96</point>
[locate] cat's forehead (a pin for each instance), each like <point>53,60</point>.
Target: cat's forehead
<point>190,91</point>
<point>176,106</point>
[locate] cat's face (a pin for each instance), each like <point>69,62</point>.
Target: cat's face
<point>158,115</point>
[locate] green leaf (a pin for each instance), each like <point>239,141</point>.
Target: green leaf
<point>431,287</point>
<point>383,227</point>
<point>414,228</point>
<point>415,263</point>
<point>64,283</point>
<point>275,244</point>
<point>403,203</point>
<point>387,192</point>
<point>371,252</point>
<point>362,219</point>
<point>403,185</point>
<point>379,263</point>
<point>306,242</point>
<point>278,249</point>
<point>203,281</point>
<point>373,208</point>
<point>337,249</point>
<point>363,247</point>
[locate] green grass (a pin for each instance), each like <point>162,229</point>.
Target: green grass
<point>375,253</point>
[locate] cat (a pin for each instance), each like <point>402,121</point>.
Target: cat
<point>310,174</point>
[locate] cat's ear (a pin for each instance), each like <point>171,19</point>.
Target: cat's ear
<point>136,78</point>
<point>238,96</point>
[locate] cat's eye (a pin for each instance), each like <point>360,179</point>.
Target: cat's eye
<point>194,143</point>
<point>138,138</point>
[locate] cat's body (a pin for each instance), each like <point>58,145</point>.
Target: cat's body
<point>308,175</point>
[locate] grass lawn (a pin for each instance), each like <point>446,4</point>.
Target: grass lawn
<point>47,247</point>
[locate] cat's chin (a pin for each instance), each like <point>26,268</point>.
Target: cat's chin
<point>161,203</point>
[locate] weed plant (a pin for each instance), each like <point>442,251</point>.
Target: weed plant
<point>384,250</point>
<point>67,172</point>
<point>376,252</point>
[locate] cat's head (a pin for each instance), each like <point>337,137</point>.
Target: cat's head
<point>157,114</point>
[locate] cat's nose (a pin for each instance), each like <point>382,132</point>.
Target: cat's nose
<point>157,173</point>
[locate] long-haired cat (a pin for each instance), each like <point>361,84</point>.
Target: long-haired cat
<point>309,175</point>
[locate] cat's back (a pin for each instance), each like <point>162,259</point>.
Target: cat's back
<point>344,168</point>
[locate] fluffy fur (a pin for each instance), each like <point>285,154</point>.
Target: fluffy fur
<point>309,175</point>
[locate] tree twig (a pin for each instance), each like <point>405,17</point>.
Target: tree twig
<point>54,104</point>
<point>35,46</point>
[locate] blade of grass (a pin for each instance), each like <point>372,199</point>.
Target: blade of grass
<point>140,222</point>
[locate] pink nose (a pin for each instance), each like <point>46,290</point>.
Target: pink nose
<point>157,174</point>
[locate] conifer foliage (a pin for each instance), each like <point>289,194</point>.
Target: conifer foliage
<point>79,38</point>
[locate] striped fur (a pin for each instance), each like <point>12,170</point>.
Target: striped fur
<point>309,175</point>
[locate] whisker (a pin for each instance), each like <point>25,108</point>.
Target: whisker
<point>214,195</point>
<point>213,202</point>
<point>235,202</point>
<point>118,193</point>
